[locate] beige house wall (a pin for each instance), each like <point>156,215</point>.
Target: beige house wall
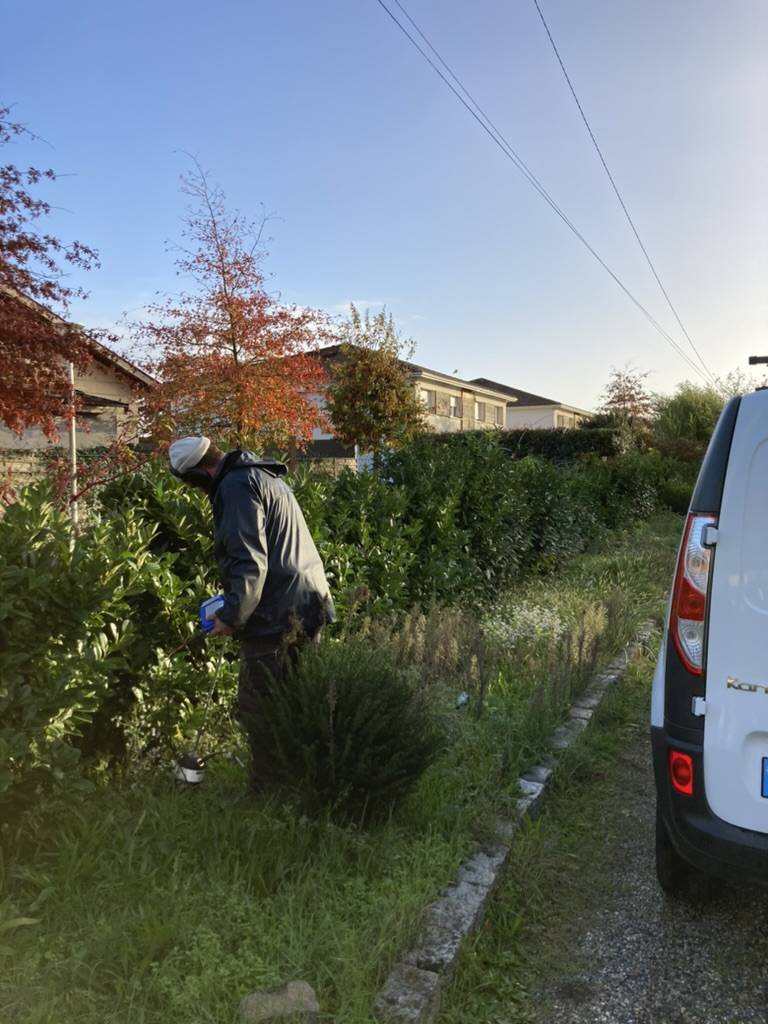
<point>23,456</point>
<point>440,417</point>
<point>543,417</point>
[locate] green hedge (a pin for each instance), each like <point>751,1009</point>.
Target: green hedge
<point>89,629</point>
<point>561,445</point>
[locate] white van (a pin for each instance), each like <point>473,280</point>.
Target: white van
<point>709,710</point>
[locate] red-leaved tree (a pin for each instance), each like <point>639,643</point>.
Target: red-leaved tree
<point>233,362</point>
<point>35,345</point>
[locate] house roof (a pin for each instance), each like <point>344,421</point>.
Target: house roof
<point>518,397</point>
<point>524,399</point>
<point>331,352</point>
<point>100,351</point>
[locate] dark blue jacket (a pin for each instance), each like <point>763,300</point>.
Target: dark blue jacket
<point>271,572</point>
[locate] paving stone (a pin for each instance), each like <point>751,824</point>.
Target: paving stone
<point>580,712</point>
<point>484,868</point>
<point>293,1003</point>
<point>533,794</point>
<point>607,679</point>
<point>530,788</point>
<point>448,922</point>
<point>592,697</point>
<point>565,734</point>
<point>539,773</point>
<point>408,996</point>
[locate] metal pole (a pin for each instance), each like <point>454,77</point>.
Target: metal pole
<point>73,450</point>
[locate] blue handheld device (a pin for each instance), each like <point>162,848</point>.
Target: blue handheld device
<point>208,610</point>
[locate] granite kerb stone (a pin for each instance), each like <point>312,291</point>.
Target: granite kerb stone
<point>409,996</point>
<point>533,794</point>
<point>591,698</point>
<point>448,921</point>
<point>540,773</point>
<point>485,867</point>
<point>564,735</point>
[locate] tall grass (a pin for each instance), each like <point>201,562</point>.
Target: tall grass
<point>137,903</point>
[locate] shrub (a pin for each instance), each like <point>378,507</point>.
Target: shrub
<point>474,520</point>
<point>64,629</point>
<point>90,630</point>
<point>358,522</point>
<point>345,733</point>
<point>623,489</point>
<point>675,494</point>
<point>558,523</point>
<point>685,421</point>
<point>560,445</point>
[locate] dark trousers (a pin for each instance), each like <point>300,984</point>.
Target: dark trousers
<point>263,662</point>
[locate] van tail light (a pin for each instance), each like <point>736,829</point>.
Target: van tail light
<point>681,772</point>
<point>689,598</point>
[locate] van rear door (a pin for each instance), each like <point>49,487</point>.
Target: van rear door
<point>736,718</point>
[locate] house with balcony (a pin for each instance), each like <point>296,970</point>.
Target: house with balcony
<point>452,404</point>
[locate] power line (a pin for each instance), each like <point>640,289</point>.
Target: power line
<point>497,137</point>
<point>615,187</point>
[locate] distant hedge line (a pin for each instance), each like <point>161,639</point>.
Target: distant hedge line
<point>560,445</point>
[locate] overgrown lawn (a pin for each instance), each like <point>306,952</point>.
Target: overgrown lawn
<point>138,903</point>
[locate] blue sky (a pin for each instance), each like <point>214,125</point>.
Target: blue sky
<point>388,192</point>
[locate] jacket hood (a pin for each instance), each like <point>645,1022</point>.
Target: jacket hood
<point>243,459</point>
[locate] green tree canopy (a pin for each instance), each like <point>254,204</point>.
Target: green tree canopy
<point>685,420</point>
<point>372,401</point>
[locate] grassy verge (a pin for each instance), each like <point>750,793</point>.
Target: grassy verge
<point>141,904</point>
<point>555,872</point>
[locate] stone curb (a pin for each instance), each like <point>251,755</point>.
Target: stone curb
<point>412,992</point>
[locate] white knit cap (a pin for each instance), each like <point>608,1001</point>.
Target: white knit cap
<point>187,452</point>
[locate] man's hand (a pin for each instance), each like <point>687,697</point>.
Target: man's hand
<point>220,628</point>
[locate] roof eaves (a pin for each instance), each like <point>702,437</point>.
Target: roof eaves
<point>100,350</point>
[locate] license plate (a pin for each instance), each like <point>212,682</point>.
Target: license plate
<point>764,786</point>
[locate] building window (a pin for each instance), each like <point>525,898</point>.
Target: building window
<point>499,415</point>
<point>429,398</point>
<point>561,420</point>
<point>480,411</point>
<point>455,405</point>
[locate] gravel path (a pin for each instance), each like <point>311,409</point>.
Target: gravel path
<point>639,958</point>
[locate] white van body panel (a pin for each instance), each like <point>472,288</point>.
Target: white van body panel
<point>736,722</point>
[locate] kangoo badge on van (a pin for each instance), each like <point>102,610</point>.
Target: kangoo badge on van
<point>709,710</point>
